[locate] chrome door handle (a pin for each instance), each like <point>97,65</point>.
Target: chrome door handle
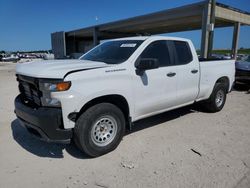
<point>171,74</point>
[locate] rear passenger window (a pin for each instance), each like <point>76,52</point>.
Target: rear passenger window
<point>158,50</point>
<point>183,52</point>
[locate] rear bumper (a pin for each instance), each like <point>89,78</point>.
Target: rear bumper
<point>44,123</point>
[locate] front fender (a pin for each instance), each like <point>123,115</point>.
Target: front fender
<point>72,101</point>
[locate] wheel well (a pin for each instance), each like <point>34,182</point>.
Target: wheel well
<point>224,80</point>
<point>117,100</point>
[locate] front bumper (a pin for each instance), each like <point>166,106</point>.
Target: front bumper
<point>242,76</point>
<point>43,122</point>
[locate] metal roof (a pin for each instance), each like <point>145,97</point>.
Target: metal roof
<point>182,18</point>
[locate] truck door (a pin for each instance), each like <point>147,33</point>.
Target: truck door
<point>187,72</point>
<point>155,89</point>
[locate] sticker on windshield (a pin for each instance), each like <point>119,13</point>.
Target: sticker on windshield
<point>128,45</point>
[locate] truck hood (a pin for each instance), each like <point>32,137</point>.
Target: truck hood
<point>55,68</point>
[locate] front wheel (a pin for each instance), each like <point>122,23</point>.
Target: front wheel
<point>100,129</point>
<point>217,99</point>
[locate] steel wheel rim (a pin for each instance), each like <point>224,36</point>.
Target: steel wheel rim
<point>104,131</point>
<point>219,99</point>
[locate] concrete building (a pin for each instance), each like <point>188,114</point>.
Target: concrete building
<point>205,15</point>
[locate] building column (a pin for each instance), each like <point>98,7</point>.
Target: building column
<point>235,40</point>
<point>205,30</point>
<point>211,28</point>
<point>95,36</point>
<point>58,44</point>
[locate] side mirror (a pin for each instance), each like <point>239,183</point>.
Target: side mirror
<point>147,63</point>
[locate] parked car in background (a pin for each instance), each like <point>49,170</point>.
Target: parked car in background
<point>243,71</point>
<point>242,57</point>
<point>221,56</point>
<point>227,56</point>
<point>12,57</point>
<point>48,56</point>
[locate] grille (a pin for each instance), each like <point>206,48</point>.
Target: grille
<point>29,89</point>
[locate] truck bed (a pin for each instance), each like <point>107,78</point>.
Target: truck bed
<point>210,71</point>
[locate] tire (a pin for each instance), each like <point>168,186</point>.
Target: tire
<point>217,99</point>
<point>99,129</point>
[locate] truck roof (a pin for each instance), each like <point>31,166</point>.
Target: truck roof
<point>155,37</point>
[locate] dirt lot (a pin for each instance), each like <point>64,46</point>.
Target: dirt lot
<point>181,148</point>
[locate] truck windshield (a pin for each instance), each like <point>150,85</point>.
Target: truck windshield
<point>113,52</point>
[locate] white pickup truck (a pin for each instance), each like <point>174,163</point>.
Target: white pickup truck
<point>93,100</point>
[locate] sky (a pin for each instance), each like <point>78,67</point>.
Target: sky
<point>27,24</point>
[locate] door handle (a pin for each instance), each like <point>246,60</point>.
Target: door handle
<point>194,71</point>
<point>171,74</point>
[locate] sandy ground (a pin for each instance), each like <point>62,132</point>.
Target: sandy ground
<point>158,153</point>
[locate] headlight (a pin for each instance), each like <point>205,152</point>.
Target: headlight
<point>53,86</point>
<point>57,86</point>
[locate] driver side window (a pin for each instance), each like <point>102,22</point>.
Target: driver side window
<point>158,50</point>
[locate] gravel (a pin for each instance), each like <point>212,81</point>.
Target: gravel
<point>181,148</point>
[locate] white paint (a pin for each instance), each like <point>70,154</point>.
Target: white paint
<point>54,68</point>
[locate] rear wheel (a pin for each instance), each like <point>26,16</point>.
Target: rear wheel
<point>217,99</point>
<point>100,129</point>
